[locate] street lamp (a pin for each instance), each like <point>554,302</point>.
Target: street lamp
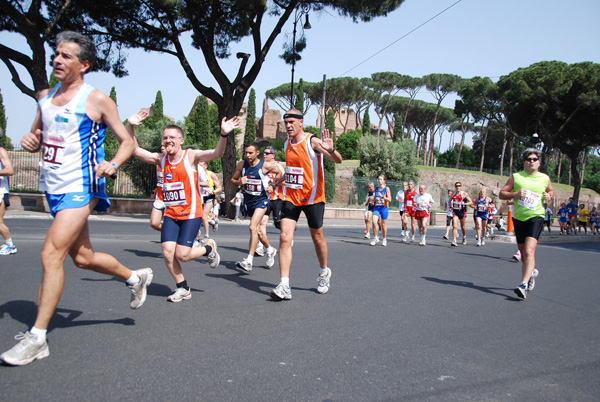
<point>301,10</point>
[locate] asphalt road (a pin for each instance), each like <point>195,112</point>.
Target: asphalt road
<point>399,323</point>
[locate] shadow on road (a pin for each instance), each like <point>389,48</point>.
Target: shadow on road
<point>471,285</point>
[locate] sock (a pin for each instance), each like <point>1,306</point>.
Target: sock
<point>39,333</point>
<point>134,279</point>
<point>423,237</point>
<point>208,249</point>
<point>402,233</point>
<point>250,258</point>
<point>285,282</point>
<point>323,271</point>
<point>9,242</point>
<point>183,284</point>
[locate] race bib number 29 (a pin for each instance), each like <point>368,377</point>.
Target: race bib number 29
<point>53,154</point>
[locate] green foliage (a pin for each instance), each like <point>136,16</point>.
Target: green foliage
<point>396,160</point>
<point>329,165</point>
<point>347,144</point>
<point>468,158</point>
<point>366,128</point>
<point>592,173</point>
<point>53,81</point>
<point>111,144</point>
<point>5,141</point>
<point>142,174</point>
<point>202,130</point>
<point>250,133</point>
<point>299,101</point>
<point>157,118</point>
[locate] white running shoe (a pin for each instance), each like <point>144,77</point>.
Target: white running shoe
<point>478,243</point>
<point>531,283</point>
<point>367,235</point>
<point>244,265</point>
<point>5,249</point>
<point>271,252</point>
<point>281,292</point>
<point>213,258</point>
<point>453,244</point>
<point>260,250</point>
<point>464,242</point>
<point>412,239</point>
<point>517,256</point>
<point>27,350</point>
<point>384,242</point>
<point>180,294</point>
<point>374,241</point>
<point>139,290</point>
<point>483,242</point>
<point>422,243</point>
<point>323,280</point>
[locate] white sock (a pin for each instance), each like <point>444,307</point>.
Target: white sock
<point>323,271</point>
<point>9,242</point>
<point>134,279</point>
<point>250,259</point>
<point>39,333</point>
<point>285,282</point>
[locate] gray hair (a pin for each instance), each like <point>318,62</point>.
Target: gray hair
<point>87,49</point>
<point>371,183</point>
<point>530,151</point>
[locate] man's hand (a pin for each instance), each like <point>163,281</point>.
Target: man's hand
<point>139,117</point>
<point>105,169</point>
<point>227,126</point>
<point>327,140</point>
<point>32,141</point>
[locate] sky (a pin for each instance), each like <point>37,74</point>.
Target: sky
<point>467,37</point>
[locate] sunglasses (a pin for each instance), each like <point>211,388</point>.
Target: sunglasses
<point>532,159</point>
<point>267,153</point>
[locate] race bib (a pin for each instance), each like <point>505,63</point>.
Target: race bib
<point>53,154</point>
<point>173,194</point>
<point>253,186</point>
<point>457,204</point>
<point>409,203</point>
<point>294,177</point>
<point>481,208</point>
<point>379,201</point>
<point>530,201</point>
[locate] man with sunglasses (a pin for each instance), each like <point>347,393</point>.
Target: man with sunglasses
<point>529,189</point>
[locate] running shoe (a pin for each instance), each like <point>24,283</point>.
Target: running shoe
<point>244,265</point>
<point>478,243</point>
<point>260,250</point>
<point>213,258</point>
<point>384,242</point>
<point>281,292</point>
<point>453,244</point>
<point>422,242</point>
<point>464,242</point>
<point>517,256</point>
<point>27,350</point>
<point>323,280</point>
<point>180,294</point>
<point>5,249</point>
<point>271,252</point>
<point>367,235</point>
<point>412,240</point>
<point>521,290</point>
<point>445,237</point>
<point>374,241</point>
<point>139,290</point>
<point>405,240</point>
<point>216,224</point>
<point>483,242</point>
<point>531,283</point>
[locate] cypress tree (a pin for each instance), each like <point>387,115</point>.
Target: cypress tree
<point>250,132</point>
<point>329,165</point>
<point>4,140</point>
<point>299,101</point>
<point>111,145</point>
<point>366,129</point>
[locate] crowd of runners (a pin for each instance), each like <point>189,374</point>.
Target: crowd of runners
<point>70,126</point>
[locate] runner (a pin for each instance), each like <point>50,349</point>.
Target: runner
<point>304,191</point>
<point>582,217</point>
<point>423,204</point>
<point>572,208</point>
<point>70,126</point>
<point>529,188</point>
<point>492,211</point>
<point>383,196</point>
<point>593,219</point>
<point>275,195</point>
<point>369,205</point>
<point>481,216</point>
<point>563,219</point>
<point>210,188</point>
<point>409,213</point>
<point>547,217</point>
<point>6,170</point>
<point>460,201</point>
<point>401,207</point>
<point>182,200</point>
<point>252,174</point>
<point>237,201</point>
<point>449,215</point>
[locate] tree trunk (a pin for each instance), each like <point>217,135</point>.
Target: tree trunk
<point>462,143</point>
<point>560,159</point>
<point>504,141</point>
<point>512,154</point>
<point>583,162</point>
<point>575,174</point>
<point>483,142</point>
